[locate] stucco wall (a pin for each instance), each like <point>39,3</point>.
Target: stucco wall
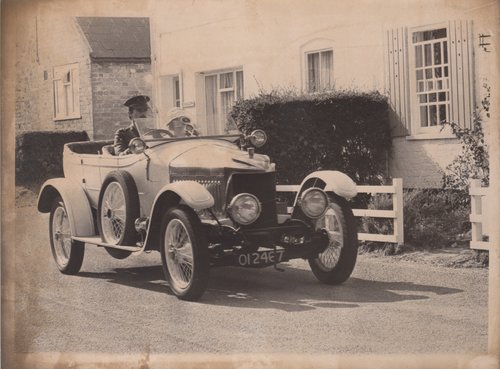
<point>44,42</point>
<point>112,84</point>
<point>421,162</point>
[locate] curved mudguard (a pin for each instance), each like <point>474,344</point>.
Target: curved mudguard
<point>76,202</point>
<point>190,193</point>
<point>335,181</point>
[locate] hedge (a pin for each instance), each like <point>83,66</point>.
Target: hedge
<point>346,131</point>
<point>39,154</point>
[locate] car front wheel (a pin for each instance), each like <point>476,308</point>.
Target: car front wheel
<point>184,253</point>
<point>68,254</point>
<point>336,263</point>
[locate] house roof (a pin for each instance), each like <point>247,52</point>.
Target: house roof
<point>117,38</point>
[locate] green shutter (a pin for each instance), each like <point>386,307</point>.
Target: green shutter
<point>397,79</point>
<point>461,72</point>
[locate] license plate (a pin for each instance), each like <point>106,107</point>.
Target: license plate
<point>261,257</point>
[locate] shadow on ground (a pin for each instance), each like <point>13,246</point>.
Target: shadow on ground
<point>292,290</point>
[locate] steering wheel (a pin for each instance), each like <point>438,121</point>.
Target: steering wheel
<point>159,133</point>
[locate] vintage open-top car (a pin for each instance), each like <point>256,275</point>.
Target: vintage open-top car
<point>200,201</point>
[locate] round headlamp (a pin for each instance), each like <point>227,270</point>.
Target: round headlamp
<point>137,145</point>
<point>314,202</point>
<point>258,138</point>
<point>244,208</point>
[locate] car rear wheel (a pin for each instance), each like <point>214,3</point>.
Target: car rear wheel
<point>117,211</point>
<point>184,253</point>
<point>336,263</point>
<point>68,254</point>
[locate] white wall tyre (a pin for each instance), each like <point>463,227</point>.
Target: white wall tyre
<point>68,254</point>
<point>184,253</point>
<point>117,211</point>
<point>336,263</point>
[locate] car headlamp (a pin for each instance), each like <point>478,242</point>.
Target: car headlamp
<point>258,138</point>
<point>137,145</point>
<point>314,202</point>
<point>244,208</point>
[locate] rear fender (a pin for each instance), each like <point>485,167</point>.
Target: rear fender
<point>190,193</point>
<point>76,202</point>
<point>329,181</point>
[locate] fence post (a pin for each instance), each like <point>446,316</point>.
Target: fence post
<point>397,206</point>
<point>476,209</point>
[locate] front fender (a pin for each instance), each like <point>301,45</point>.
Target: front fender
<point>191,193</point>
<point>333,181</point>
<point>75,200</point>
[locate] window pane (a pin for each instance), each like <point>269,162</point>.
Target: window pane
<point>313,74</point>
<point>227,101</point>
<point>239,85</point>
<point>437,72</point>
<point>430,86</point>
<point>211,103</point>
<point>428,73</point>
<point>432,97</point>
<point>326,70</point>
<point>439,85</point>
<point>420,87</point>
<point>423,98</point>
<point>432,115</point>
<point>418,56</point>
<point>428,55</point>
<point>445,52</point>
<point>420,74</point>
<point>442,96</point>
<point>226,80</point>
<point>446,71</point>
<point>437,53</point>
<point>442,113</point>
<point>423,116</point>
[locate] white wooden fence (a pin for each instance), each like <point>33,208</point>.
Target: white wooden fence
<point>478,215</point>
<point>396,189</point>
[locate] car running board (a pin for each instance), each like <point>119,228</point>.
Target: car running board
<point>97,241</point>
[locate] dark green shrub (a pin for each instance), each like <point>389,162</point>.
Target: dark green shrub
<point>346,131</point>
<point>433,218</point>
<point>39,154</point>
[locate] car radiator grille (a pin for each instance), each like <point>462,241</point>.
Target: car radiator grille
<point>215,185</point>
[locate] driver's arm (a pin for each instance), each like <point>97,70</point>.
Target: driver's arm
<point>121,142</point>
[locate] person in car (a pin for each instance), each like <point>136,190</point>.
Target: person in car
<point>179,124</point>
<point>137,108</point>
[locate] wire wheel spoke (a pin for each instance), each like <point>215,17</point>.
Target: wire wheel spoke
<point>61,236</point>
<point>329,258</point>
<point>179,254</point>
<point>113,213</point>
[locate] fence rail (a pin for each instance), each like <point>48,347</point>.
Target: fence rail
<point>477,216</point>
<point>396,189</point>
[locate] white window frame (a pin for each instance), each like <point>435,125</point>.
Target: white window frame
<point>416,126</point>
<point>322,87</point>
<point>220,123</point>
<point>66,89</point>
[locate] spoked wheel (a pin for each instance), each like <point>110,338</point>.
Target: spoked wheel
<point>336,263</point>
<point>117,211</point>
<point>68,254</point>
<point>184,253</point>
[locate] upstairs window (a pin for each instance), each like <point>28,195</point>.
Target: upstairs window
<point>319,70</point>
<point>66,92</point>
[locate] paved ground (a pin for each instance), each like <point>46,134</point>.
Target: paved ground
<point>125,306</point>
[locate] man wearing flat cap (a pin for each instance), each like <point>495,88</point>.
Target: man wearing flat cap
<point>137,108</point>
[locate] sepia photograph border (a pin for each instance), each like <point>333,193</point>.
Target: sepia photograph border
<point>11,359</point>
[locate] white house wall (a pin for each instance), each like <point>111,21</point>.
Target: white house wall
<point>268,40</point>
